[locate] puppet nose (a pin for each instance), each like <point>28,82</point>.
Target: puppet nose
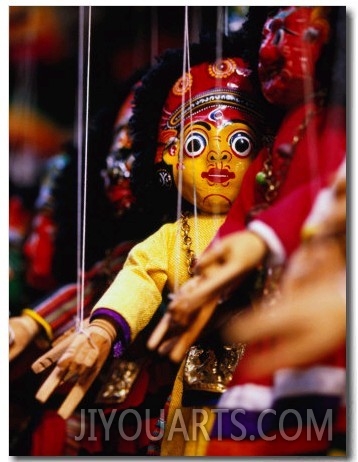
<point>217,156</point>
<point>269,53</point>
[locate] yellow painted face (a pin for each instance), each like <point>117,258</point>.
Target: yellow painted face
<point>214,160</point>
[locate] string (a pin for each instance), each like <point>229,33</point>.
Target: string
<point>185,69</point>
<point>82,173</point>
<point>195,206</point>
<point>226,20</point>
<point>219,32</point>
<point>79,151</point>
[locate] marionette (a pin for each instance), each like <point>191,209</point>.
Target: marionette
<point>201,131</point>
<point>47,232</point>
<point>309,320</point>
<point>54,318</point>
<point>289,167</point>
<point>264,224</point>
<point>55,315</point>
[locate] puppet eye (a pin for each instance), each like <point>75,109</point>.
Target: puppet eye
<point>241,144</point>
<point>278,37</point>
<point>276,27</point>
<point>195,144</point>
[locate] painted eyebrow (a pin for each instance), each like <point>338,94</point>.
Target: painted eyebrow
<point>244,122</point>
<point>204,124</point>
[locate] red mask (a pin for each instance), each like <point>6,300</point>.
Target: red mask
<point>291,45</point>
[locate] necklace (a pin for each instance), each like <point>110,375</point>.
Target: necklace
<point>208,366</point>
<point>189,252</point>
<point>269,178</point>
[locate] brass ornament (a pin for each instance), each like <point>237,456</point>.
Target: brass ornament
<point>222,68</point>
<point>183,84</point>
<point>211,369</point>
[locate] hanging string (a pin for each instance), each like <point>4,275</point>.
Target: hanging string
<point>185,69</point>
<point>219,32</point>
<point>79,150</point>
<point>82,169</point>
<point>226,20</point>
<point>195,206</point>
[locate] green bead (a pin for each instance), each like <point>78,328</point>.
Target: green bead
<point>261,178</point>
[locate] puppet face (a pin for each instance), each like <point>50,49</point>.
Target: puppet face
<point>39,250</point>
<point>119,162</point>
<point>217,151</point>
<point>209,152</point>
<point>39,247</point>
<point>291,45</point>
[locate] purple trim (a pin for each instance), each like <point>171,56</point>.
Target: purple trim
<point>118,349</point>
<point>124,332</point>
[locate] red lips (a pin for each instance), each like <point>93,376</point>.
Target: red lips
<point>217,175</point>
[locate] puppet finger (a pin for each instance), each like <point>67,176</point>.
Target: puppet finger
<point>165,347</point>
<point>159,332</point>
<point>50,384</point>
<point>51,357</point>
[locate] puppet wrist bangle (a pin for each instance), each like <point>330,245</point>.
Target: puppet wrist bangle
<point>310,232</point>
<point>40,320</point>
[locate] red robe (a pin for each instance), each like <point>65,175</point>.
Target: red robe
<point>282,415</point>
<point>318,154</point>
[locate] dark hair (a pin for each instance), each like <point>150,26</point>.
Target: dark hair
<point>103,229</point>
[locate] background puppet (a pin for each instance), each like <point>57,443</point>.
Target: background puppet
<point>309,320</point>
<point>308,149</point>
<point>45,321</point>
<point>221,132</point>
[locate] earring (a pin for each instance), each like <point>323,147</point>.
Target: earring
<point>164,174</point>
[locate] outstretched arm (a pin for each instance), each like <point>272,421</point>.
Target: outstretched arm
<point>309,321</point>
<point>219,270</point>
<point>222,266</point>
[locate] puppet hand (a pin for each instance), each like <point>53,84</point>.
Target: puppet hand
<point>59,346</point>
<point>87,348</point>
<point>221,269</point>
<point>307,329</point>
<point>172,339</point>
<point>82,359</point>
<point>23,331</point>
<point>315,262</point>
<point>76,353</point>
<point>309,320</point>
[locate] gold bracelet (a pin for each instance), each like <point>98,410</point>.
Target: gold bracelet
<point>40,320</point>
<point>308,232</point>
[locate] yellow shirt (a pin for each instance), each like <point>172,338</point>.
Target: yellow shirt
<point>157,262</point>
